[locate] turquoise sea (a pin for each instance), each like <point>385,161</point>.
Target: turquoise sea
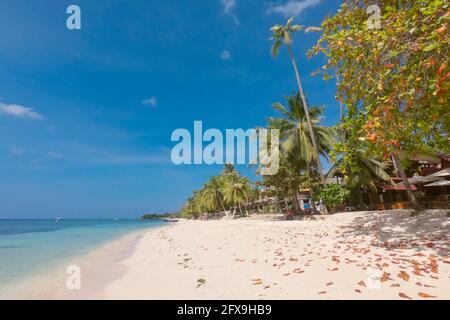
<point>30,247</point>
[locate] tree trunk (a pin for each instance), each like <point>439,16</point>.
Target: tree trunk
<point>222,205</point>
<point>286,205</point>
<point>308,119</point>
<point>298,210</point>
<point>415,204</point>
<point>341,106</point>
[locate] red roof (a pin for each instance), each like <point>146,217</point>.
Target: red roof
<point>396,187</point>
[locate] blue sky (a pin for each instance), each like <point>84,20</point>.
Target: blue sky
<point>86,115</point>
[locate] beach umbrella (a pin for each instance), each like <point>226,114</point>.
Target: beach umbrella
<point>440,183</point>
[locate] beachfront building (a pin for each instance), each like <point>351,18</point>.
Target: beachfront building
<point>429,178</point>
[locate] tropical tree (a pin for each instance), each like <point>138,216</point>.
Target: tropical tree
<point>361,173</point>
<point>213,196</point>
<point>294,131</point>
<point>283,35</point>
<point>236,190</point>
<point>393,80</point>
<point>291,178</point>
<point>220,193</point>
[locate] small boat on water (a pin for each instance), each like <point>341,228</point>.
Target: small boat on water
<point>170,220</point>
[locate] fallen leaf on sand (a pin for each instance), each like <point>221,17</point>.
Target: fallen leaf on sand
<point>428,286</point>
<point>403,275</point>
<point>404,296</point>
<point>257,282</point>
<point>293,259</point>
<point>385,277</point>
<point>286,274</point>
<point>266,287</point>
<point>357,290</point>
<point>362,283</point>
<point>322,292</point>
<point>418,284</point>
<point>395,285</point>
<point>425,295</point>
<point>200,282</point>
<point>329,283</point>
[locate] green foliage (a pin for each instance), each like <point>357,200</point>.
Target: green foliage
<point>219,194</point>
<point>333,195</point>
<point>394,81</point>
<point>158,216</point>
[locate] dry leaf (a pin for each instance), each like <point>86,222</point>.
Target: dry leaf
<point>395,285</point>
<point>425,295</point>
<point>329,283</point>
<point>404,296</point>
<point>362,283</point>
<point>403,275</point>
<point>357,290</point>
<point>385,277</point>
<point>322,292</point>
<point>256,283</point>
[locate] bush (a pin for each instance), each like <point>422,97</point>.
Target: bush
<point>333,196</point>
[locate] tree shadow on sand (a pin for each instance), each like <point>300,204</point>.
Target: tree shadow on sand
<point>401,229</point>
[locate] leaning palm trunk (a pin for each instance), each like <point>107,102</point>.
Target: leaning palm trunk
<point>308,119</point>
<point>415,204</point>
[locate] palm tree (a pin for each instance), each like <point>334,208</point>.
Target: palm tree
<point>213,194</point>
<point>294,131</point>
<point>283,35</point>
<point>366,172</point>
<point>236,190</point>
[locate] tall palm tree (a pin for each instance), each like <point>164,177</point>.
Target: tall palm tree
<point>294,131</point>
<point>283,35</point>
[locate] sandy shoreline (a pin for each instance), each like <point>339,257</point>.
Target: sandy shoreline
<point>99,266</point>
<point>344,256</point>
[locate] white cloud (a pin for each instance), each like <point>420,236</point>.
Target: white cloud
<point>292,8</point>
<point>18,111</point>
<point>17,151</point>
<point>54,155</point>
<point>225,55</point>
<point>152,102</point>
<point>227,9</point>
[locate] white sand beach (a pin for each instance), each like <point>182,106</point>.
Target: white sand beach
<point>361,255</point>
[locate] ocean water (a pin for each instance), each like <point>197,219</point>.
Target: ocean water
<point>31,247</point>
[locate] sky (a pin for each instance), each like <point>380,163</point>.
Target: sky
<point>86,116</point>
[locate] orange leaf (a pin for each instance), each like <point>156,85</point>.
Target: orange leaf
<point>425,295</point>
<point>404,296</point>
<point>322,292</point>
<point>403,275</point>
<point>362,283</point>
